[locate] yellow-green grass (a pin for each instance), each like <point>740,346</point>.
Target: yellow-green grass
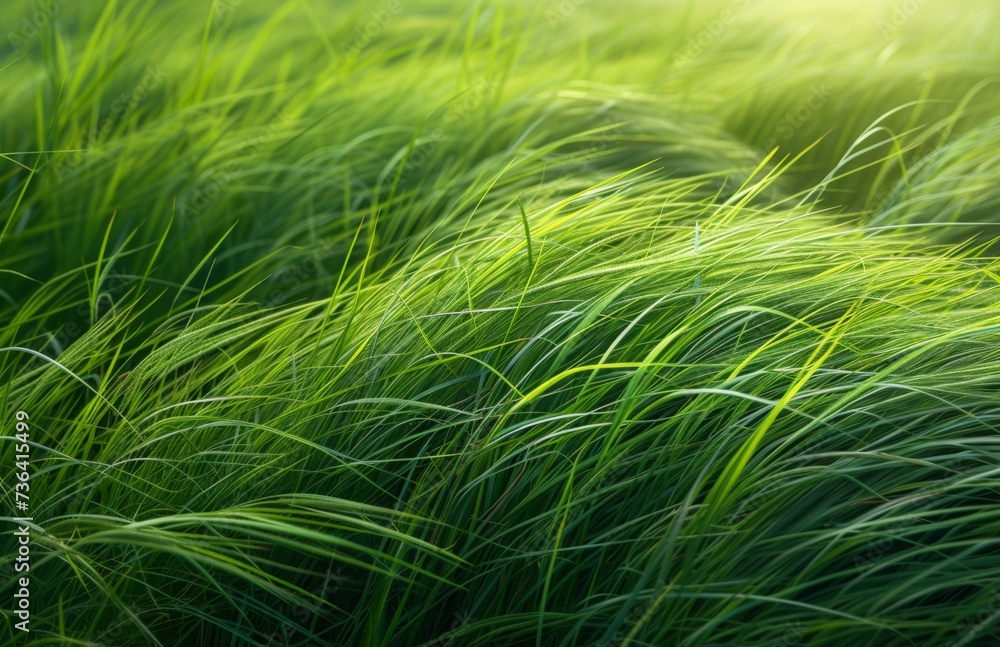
<point>578,323</point>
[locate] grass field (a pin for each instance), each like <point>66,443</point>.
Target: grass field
<point>568,322</point>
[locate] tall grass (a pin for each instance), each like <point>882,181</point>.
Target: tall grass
<point>508,324</point>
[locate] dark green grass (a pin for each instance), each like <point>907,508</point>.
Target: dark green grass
<point>520,326</point>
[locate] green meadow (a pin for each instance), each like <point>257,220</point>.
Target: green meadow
<point>500,323</point>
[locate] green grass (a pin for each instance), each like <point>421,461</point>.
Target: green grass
<point>592,323</point>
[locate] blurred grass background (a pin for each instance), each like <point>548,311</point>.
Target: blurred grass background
<point>547,323</point>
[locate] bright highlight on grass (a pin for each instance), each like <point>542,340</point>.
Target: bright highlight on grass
<point>501,323</point>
